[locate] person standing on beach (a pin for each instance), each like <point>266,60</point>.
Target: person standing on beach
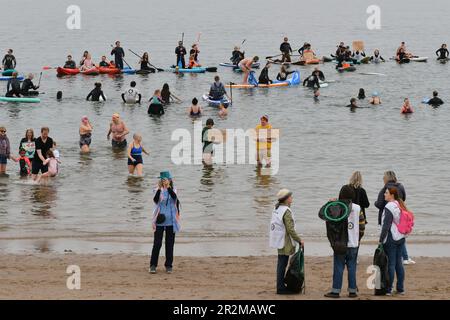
<point>43,144</point>
<point>390,181</point>
<point>283,236</point>
<point>350,257</point>
<point>118,53</point>
<point>119,130</point>
<point>166,218</point>
<point>360,198</point>
<point>392,239</point>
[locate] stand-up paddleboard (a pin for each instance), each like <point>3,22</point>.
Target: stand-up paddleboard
<point>230,65</point>
<point>216,103</point>
<point>372,74</point>
<point>21,99</point>
<point>425,100</point>
<point>6,78</point>
<point>253,83</point>
<point>419,59</point>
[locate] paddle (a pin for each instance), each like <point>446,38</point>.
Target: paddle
<point>159,69</point>
<point>40,77</point>
<point>48,68</point>
<point>231,93</point>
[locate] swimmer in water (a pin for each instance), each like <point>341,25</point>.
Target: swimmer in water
<point>135,162</point>
<point>375,100</point>
<point>195,110</point>
<point>406,108</point>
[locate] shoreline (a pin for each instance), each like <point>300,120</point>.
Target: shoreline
<point>123,276</point>
<point>418,246</point>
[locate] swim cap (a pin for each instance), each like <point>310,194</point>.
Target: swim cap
<point>375,94</point>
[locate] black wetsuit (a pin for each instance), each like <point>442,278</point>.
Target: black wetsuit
<point>180,51</point>
<point>236,57</point>
<point>13,88</point>
<point>301,50</point>
<point>70,65</point>
<point>104,64</point>
<point>286,49</point>
<point>9,61</point>
<point>321,75</point>
<point>156,109</point>
<point>264,76</point>
<point>195,53</point>
<point>442,54</point>
<point>118,56</point>
<point>312,82</point>
<point>28,85</point>
<point>283,76</point>
<point>435,102</point>
<point>96,94</point>
<point>146,66</point>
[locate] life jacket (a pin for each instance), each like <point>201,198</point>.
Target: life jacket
<point>277,231</point>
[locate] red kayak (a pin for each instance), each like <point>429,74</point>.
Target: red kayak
<point>109,70</point>
<point>67,72</point>
<point>91,72</point>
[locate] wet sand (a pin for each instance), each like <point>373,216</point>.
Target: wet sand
<point>125,276</point>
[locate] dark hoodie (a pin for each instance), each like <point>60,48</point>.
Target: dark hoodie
<point>381,203</point>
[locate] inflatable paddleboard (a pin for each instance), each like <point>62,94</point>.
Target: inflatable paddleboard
<point>6,78</point>
<point>419,59</point>
<point>230,65</point>
<point>216,103</point>
<point>253,83</point>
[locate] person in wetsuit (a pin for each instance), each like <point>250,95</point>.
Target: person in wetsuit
<point>312,81</point>
<point>145,63</point>
<point>305,46</point>
<point>96,93</point>
<point>435,101</point>
<point>104,63</point>
<point>236,56</point>
<point>156,104</point>
<point>283,74</point>
<point>28,86</point>
<point>9,61</point>
<point>319,74</point>
<point>286,50</point>
<point>70,64</point>
<point>180,51</point>
<point>442,52</point>
<point>13,86</point>
<point>118,53</point>
<point>264,75</point>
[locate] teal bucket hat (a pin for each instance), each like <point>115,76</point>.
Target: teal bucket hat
<point>165,175</point>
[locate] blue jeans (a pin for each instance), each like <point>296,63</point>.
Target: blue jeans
<point>281,272</point>
<point>339,263</point>
<point>404,251</point>
<point>394,251</point>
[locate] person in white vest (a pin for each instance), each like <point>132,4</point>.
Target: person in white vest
<point>349,259</point>
<point>283,236</point>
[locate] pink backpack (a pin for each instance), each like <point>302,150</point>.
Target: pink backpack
<point>406,223</point>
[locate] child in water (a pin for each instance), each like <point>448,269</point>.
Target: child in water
<point>24,162</point>
<point>406,108</point>
<point>52,164</point>
<point>223,112</point>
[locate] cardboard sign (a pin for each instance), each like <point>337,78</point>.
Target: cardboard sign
<point>358,45</point>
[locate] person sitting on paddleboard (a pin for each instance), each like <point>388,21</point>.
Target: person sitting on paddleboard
<point>13,86</point>
<point>87,63</point>
<point>406,108</point>
<point>104,63</point>
<point>145,63</point>
<point>96,93</point>
<point>435,101</point>
<point>236,56</point>
<point>192,62</point>
<point>303,48</point>
<point>9,61</point>
<point>358,55</point>
<point>264,75</point>
<point>286,50</point>
<point>442,53</point>
<point>70,64</point>
<point>217,90</point>
<point>118,54</point>
<point>246,66</point>
<point>28,85</point>
<point>283,74</point>
<point>312,81</point>
<point>377,58</point>
<point>401,55</point>
<point>180,51</point>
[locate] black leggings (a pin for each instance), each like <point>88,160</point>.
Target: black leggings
<point>170,242</point>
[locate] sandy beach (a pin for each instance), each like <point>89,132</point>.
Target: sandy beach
<point>123,276</point>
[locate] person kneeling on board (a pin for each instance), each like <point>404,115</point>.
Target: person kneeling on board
<point>28,86</point>
<point>264,75</point>
<point>13,86</point>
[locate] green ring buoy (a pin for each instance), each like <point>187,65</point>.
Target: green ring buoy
<point>336,203</point>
